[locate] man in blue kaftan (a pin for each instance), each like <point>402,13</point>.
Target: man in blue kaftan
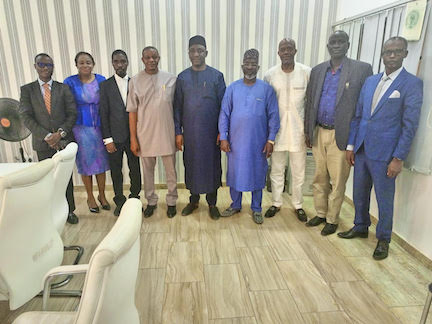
<point>248,124</point>
<point>197,102</point>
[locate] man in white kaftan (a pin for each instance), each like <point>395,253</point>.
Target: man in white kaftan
<point>289,80</point>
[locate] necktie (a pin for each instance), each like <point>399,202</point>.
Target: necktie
<point>47,97</point>
<point>378,92</point>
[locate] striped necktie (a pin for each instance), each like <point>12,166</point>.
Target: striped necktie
<point>47,97</point>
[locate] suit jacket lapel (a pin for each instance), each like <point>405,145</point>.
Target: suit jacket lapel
<point>54,96</point>
<point>40,99</point>
<point>370,94</point>
<point>395,84</point>
<point>115,85</point>
<point>345,73</point>
<point>320,84</point>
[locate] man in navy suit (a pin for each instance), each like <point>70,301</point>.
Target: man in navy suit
<point>115,130</point>
<point>382,130</point>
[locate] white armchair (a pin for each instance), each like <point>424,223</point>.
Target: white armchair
<point>64,161</point>
<point>109,288</point>
<point>29,243</point>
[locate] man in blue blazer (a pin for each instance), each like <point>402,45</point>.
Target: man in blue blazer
<point>381,133</point>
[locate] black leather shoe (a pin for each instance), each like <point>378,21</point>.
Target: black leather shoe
<point>301,215</point>
<point>72,218</point>
<point>106,206</point>
<point>271,211</point>
<point>117,210</point>
<point>214,212</point>
<point>350,234</point>
<point>171,211</point>
<point>329,229</point>
<point>149,210</point>
<point>315,221</point>
<point>381,250</point>
<point>189,209</point>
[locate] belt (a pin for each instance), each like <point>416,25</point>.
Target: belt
<point>325,126</point>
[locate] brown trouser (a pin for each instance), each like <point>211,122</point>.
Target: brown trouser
<point>331,173</point>
<point>148,164</point>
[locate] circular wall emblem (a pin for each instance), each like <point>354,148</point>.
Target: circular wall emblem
<point>412,19</point>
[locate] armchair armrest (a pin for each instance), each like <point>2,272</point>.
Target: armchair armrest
<point>59,271</point>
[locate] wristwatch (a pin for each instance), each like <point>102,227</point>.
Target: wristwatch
<point>62,132</point>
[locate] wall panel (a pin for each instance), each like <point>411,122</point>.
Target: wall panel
<point>64,27</point>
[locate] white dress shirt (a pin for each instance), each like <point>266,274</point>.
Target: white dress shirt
<point>41,83</point>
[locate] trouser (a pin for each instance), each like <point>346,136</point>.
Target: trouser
<point>368,172</point>
<point>236,197</point>
<point>331,173</point>
<point>42,155</point>
<point>116,166</point>
<point>148,164</point>
<point>297,161</point>
<point>211,198</point>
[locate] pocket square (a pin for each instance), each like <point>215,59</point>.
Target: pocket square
<point>395,94</point>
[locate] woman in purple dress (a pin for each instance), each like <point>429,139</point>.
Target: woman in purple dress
<point>92,158</point>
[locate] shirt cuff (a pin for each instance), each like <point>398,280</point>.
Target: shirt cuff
<point>223,136</point>
<point>350,147</point>
<point>108,140</point>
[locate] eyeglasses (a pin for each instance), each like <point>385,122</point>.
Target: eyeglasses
<point>42,65</point>
<point>396,52</point>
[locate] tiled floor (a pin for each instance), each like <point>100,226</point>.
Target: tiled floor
<point>196,270</point>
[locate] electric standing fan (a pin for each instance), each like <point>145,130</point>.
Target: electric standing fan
<point>12,128</point>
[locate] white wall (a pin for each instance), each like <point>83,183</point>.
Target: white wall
<point>62,28</point>
<point>349,8</point>
<point>413,199</point>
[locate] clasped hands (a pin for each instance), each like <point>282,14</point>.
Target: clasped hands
<point>53,140</point>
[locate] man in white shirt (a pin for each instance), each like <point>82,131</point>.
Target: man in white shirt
<point>289,80</point>
<point>115,129</point>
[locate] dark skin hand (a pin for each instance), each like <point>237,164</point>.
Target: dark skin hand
<point>179,142</point>
<point>350,157</point>
<point>308,142</point>
<point>394,168</point>
<point>225,147</point>
<point>54,140</point>
<point>111,148</point>
<point>134,146</point>
<point>268,149</point>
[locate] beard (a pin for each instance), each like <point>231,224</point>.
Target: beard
<point>250,76</point>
